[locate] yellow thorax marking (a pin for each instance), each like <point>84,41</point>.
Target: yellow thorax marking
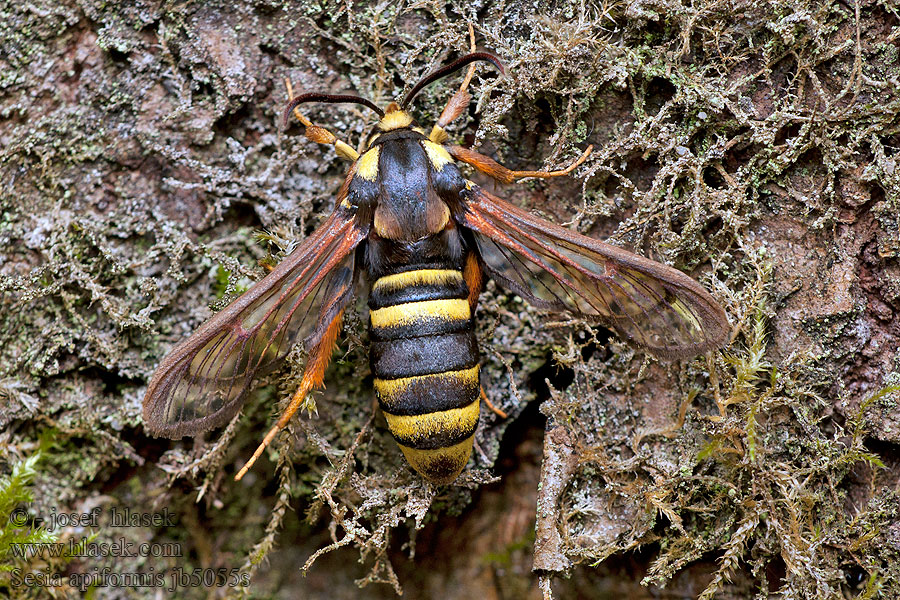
<point>438,135</point>
<point>367,167</point>
<point>411,312</point>
<point>389,389</point>
<point>412,427</point>
<point>397,119</point>
<point>399,281</point>
<point>436,153</point>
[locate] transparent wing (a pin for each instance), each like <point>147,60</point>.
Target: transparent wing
<point>202,383</point>
<point>652,305</point>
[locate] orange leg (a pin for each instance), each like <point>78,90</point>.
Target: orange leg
<point>458,101</point>
<point>496,410</point>
<point>320,135</point>
<point>474,277</point>
<point>492,168</point>
<point>455,107</point>
<point>317,362</point>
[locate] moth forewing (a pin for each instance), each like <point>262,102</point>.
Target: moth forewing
<point>204,380</point>
<point>654,306</point>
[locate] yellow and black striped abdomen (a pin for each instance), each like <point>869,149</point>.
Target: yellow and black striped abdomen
<point>424,357</point>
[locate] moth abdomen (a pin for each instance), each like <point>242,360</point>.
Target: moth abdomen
<point>424,357</point>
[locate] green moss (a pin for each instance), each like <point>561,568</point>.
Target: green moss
<point>24,540</point>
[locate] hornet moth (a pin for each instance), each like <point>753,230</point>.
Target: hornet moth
<point>426,239</point>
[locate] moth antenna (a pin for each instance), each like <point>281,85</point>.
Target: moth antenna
<point>451,68</point>
<point>329,98</point>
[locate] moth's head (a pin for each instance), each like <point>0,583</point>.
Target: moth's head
<point>394,116</point>
<point>394,119</point>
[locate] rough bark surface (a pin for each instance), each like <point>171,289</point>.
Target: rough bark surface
<point>751,144</point>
